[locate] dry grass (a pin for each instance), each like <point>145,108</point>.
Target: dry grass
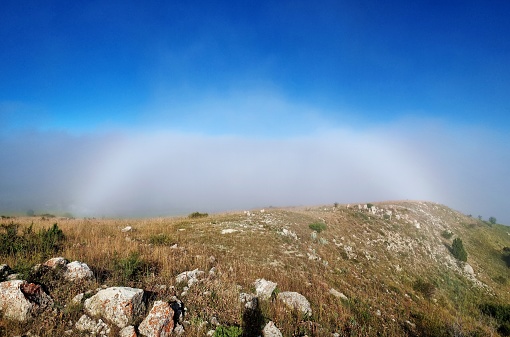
<point>374,260</point>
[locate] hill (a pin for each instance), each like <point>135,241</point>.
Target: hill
<point>384,269</point>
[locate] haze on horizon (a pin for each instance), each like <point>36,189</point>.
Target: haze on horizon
<point>159,108</point>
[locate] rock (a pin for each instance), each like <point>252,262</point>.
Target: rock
<point>55,262</point>
<point>77,299</point>
<point>119,305</point>
<point>296,301</point>
<point>96,328</point>
<point>128,331</point>
<point>468,269</point>
<point>338,294</point>
<point>126,229</point>
<point>191,277</point>
<point>264,288</point>
<point>20,300</point>
<point>178,330</point>
<point>270,330</point>
<point>250,301</point>
<point>210,333</point>
<point>77,271</point>
<point>228,231</point>
<point>4,271</point>
<point>159,322</point>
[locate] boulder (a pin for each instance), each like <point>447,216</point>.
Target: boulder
<point>20,300</point>
<point>77,271</point>
<point>95,328</point>
<point>159,322</point>
<point>128,331</point>
<point>296,301</point>
<point>126,229</point>
<point>250,301</point>
<point>338,294</point>
<point>270,330</point>
<point>119,305</point>
<point>56,262</point>
<point>191,277</point>
<point>264,288</point>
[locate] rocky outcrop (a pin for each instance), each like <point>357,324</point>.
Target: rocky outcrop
<point>77,271</point>
<point>264,288</point>
<point>159,322</point>
<point>128,331</point>
<point>20,300</point>
<point>296,301</point>
<point>119,305</point>
<point>270,330</point>
<point>89,325</point>
<point>191,277</point>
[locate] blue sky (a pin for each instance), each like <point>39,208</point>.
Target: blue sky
<point>90,80</point>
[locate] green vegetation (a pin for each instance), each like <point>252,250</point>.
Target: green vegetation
<point>427,289</point>
<point>447,234</point>
<point>501,313</point>
<point>317,226</point>
<point>160,240</point>
<point>44,243</point>
<point>195,215</point>
<point>231,331</point>
<point>131,269</point>
<point>492,220</point>
<point>458,250</point>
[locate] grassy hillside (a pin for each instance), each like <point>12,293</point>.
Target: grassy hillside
<point>393,261</point>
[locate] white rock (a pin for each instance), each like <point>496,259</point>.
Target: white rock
<point>56,262</point>
<point>159,322</point>
<point>191,277</point>
<point>250,301</point>
<point>77,271</point>
<point>296,301</point>
<point>228,231</point>
<point>264,288</point>
<point>468,269</point>
<point>87,324</point>
<point>270,330</point>
<point>119,305</point>
<point>20,300</point>
<point>126,229</point>
<point>338,294</point>
<point>78,298</point>
<point>128,331</point>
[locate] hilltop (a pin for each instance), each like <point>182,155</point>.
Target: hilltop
<point>383,269</point>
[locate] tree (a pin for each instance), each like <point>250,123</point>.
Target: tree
<point>492,220</point>
<point>458,250</point>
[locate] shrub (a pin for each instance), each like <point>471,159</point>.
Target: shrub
<point>447,234</point>
<point>129,268</point>
<point>492,220</point>
<point>195,215</point>
<point>426,288</point>
<point>317,226</point>
<point>231,331</point>
<point>458,250</point>
<point>45,242</point>
<point>160,240</point>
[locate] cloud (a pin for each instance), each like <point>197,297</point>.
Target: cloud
<point>152,173</point>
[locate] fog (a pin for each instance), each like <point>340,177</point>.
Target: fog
<point>158,172</point>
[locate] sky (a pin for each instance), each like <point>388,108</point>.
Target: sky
<point>130,108</point>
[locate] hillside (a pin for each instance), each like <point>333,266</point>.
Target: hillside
<point>372,269</point>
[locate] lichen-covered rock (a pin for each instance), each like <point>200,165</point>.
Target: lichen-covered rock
<point>119,305</point>
<point>159,322</point>
<point>250,301</point>
<point>20,300</point>
<point>128,331</point>
<point>55,262</point>
<point>264,288</point>
<point>270,330</point>
<point>95,328</point>
<point>77,271</point>
<point>296,301</point>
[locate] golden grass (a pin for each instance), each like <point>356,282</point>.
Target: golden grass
<point>378,281</point>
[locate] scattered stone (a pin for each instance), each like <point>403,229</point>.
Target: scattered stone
<point>212,272</point>
<point>191,277</point>
<point>56,262</point>
<point>95,328</point>
<point>20,300</point>
<point>250,301</point>
<point>214,321</point>
<point>412,325</point>
<point>128,331</point>
<point>468,269</point>
<point>119,305</point>
<point>210,333</point>
<point>159,322</point>
<point>4,270</point>
<point>264,288</point>
<point>126,229</point>
<point>296,301</point>
<point>338,294</point>
<point>178,330</point>
<point>77,271</point>
<point>77,299</point>
<point>270,330</point>
<point>229,231</point>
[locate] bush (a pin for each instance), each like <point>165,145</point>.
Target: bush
<point>130,268</point>
<point>458,250</point>
<point>231,331</point>
<point>426,288</point>
<point>447,234</point>
<point>46,242</point>
<point>160,240</point>
<point>195,215</point>
<point>317,226</point>
<point>492,220</point>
